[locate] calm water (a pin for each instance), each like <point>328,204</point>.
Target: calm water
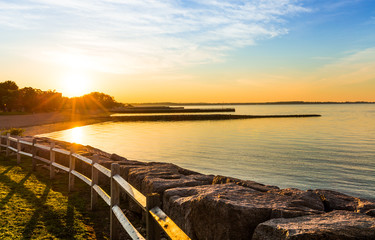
<point>335,151</point>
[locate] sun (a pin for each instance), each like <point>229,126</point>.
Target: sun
<point>75,85</point>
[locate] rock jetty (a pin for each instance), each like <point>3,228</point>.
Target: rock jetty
<point>198,117</point>
<point>167,109</point>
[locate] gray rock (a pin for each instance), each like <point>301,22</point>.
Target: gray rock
<point>228,211</point>
<point>338,201</point>
<point>158,177</point>
<point>302,198</point>
<point>116,157</point>
<point>245,183</point>
<point>334,225</point>
<point>371,212</point>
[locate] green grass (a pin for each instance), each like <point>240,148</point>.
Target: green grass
<point>34,207</point>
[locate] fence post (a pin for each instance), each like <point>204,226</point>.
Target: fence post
<point>1,141</point>
<point>94,181</point>
<point>18,151</point>
<point>8,144</point>
<point>115,200</point>
<point>152,228</point>
<point>72,166</point>
<point>33,151</point>
<point>52,156</point>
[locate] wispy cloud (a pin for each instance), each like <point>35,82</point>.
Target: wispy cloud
<point>354,68</point>
<point>129,36</point>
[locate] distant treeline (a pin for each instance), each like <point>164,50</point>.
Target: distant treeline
<point>28,99</point>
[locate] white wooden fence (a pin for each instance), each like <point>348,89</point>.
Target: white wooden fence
<point>156,219</point>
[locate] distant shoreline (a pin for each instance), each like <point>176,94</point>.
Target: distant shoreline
<point>250,103</point>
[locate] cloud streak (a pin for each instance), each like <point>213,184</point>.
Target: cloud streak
<point>121,36</point>
<point>352,69</point>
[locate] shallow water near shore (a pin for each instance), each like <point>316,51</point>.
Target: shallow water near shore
<point>335,151</point>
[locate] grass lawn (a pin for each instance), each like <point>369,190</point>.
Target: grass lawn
<point>34,207</point>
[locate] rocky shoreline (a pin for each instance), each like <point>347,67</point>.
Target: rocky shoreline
<point>219,207</point>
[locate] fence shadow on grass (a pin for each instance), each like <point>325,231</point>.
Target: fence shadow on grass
<point>6,170</point>
<point>78,202</point>
<point>39,209</point>
<point>14,186</point>
<point>57,225</point>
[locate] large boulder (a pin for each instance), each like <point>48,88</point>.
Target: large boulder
<point>301,198</point>
<point>338,201</point>
<point>116,157</point>
<point>334,225</point>
<point>245,183</point>
<point>158,177</point>
<point>229,211</point>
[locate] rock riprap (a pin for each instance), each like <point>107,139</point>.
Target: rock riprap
<point>338,225</point>
<point>338,201</point>
<point>218,207</point>
<point>230,211</point>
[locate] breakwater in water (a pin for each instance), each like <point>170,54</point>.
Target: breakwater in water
<point>186,117</point>
<point>171,110</point>
<point>219,207</point>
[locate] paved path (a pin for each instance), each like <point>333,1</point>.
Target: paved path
<point>21,121</point>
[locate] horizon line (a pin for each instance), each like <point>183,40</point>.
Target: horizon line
<point>253,103</point>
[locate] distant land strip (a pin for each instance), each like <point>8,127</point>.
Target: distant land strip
<point>251,103</point>
<point>191,117</point>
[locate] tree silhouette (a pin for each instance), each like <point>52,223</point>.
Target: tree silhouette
<point>30,99</point>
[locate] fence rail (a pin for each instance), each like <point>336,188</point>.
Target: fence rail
<point>156,219</point>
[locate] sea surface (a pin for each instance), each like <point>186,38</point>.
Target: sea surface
<point>335,151</point>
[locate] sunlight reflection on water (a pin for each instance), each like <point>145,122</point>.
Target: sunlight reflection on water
<point>76,135</point>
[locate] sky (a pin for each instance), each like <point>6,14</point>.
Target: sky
<point>215,51</point>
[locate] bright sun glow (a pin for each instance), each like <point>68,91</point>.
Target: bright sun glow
<point>76,135</point>
<point>75,85</point>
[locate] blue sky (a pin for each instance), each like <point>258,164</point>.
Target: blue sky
<point>150,50</point>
